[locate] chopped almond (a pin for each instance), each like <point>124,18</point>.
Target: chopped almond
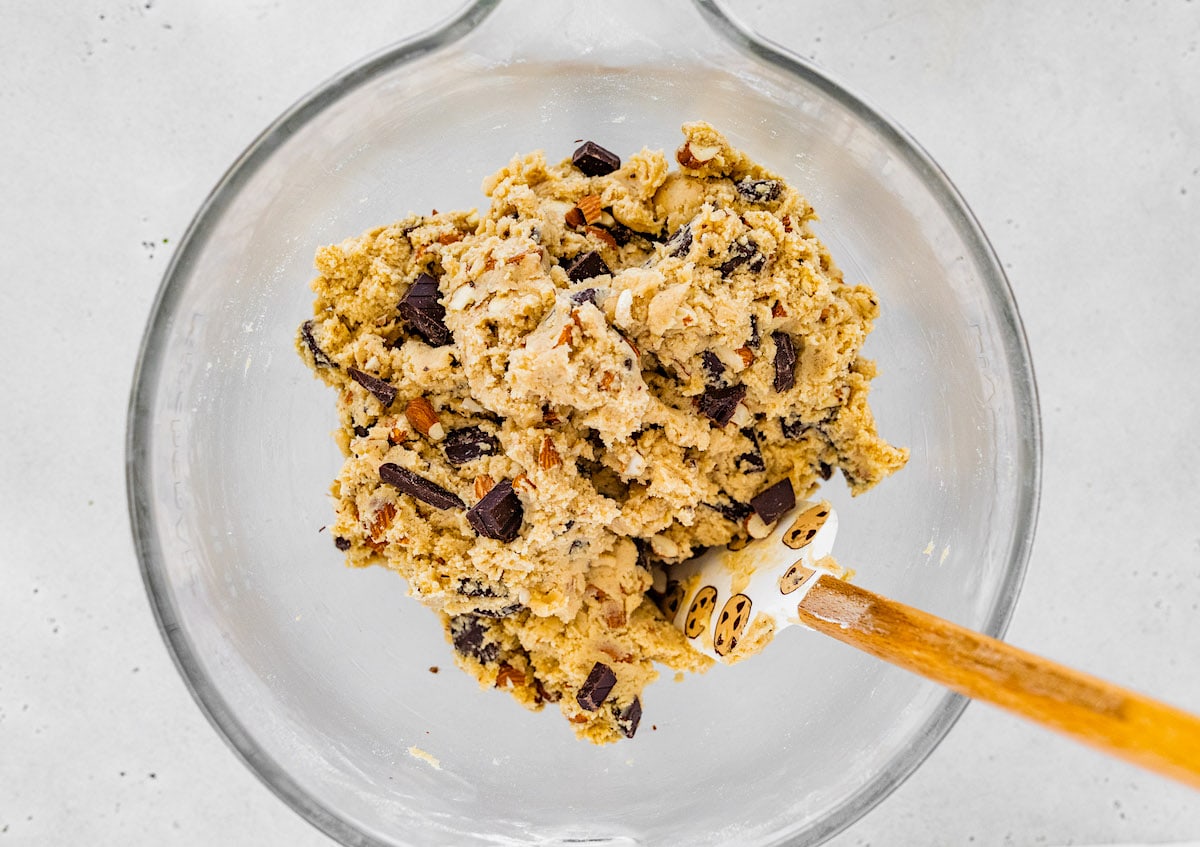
<point>549,458</point>
<point>603,234</point>
<point>421,415</point>
<point>747,355</point>
<point>483,484</point>
<point>589,207</point>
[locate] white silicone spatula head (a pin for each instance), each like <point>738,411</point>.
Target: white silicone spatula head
<point>729,603</point>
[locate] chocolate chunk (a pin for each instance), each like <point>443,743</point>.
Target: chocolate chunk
<point>757,263</point>
<point>643,553</point>
<point>421,310</point>
<point>713,367</point>
<point>824,470</point>
<point>499,514</point>
<point>362,431</point>
<point>384,391</point>
<point>719,404</point>
<point>595,689</point>
<point>470,637</point>
<point>730,509</point>
<point>758,190</point>
<point>594,160</point>
<point>774,501</point>
<point>419,487</point>
<point>587,295</point>
<point>750,462</point>
<point>793,427</point>
<point>587,266</point>
<point>502,612</point>
<point>785,361</point>
<point>470,442</point>
<point>754,340</point>
<point>629,717</point>
<point>680,242</point>
<point>475,588</point>
<point>739,254</point>
<point>319,358</point>
<point>342,544</point>
<point>620,233</point>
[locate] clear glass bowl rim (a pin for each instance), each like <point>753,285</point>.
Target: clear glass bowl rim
<point>150,359</point>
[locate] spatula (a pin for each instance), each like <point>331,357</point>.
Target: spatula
<point>729,603</point>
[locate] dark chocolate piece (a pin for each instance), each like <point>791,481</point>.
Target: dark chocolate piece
<point>739,254</point>
<point>597,686</point>
<point>362,431</point>
<point>384,391</point>
<point>421,310</point>
<point>793,427</point>
<point>680,242</point>
<point>470,637</point>
<point>751,462</point>
<point>475,588</point>
<point>594,160</point>
<point>342,544</point>
<point>586,295</point>
<point>730,509</point>
<point>629,717</point>
<point>754,340</point>
<point>758,190</point>
<point>587,266</point>
<point>419,487</point>
<point>719,404</point>
<point>714,367</point>
<point>825,471</point>
<point>320,359</point>
<point>502,612</point>
<point>785,361</point>
<point>620,233</point>
<point>470,442</point>
<point>774,501</point>
<point>499,514</point>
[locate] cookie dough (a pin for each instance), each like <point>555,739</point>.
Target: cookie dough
<point>545,406</point>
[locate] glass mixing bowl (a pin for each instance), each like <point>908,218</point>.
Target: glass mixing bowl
<point>318,676</point>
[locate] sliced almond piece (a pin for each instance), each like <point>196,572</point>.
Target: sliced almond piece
<point>424,419</point>
<point>574,217</point>
<point>548,458</point>
<point>695,156</point>
<point>603,234</point>
<point>483,484</point>
<point>589,207</point>
<point>756,528</point>
<point>747,355</point>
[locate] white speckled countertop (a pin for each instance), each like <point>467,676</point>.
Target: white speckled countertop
<point>1073,130</point>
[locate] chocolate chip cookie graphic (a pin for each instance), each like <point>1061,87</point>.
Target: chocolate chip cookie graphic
<point>673,599</point>
<point>793,578</point>
<point>700,612</point>
<point>807,525</point>
<point>734,617</point>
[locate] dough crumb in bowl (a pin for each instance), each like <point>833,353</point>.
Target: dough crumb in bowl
<point>542,406</point>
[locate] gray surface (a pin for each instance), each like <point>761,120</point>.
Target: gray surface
<point>1072,130</point>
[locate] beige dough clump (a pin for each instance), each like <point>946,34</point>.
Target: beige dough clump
<point>544,405</point>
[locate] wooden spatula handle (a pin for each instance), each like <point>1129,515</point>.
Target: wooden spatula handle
<point>1120,722</point>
